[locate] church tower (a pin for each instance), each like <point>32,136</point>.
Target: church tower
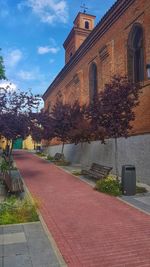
<point>83,25</point>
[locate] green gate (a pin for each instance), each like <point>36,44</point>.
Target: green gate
<point>18,144</point>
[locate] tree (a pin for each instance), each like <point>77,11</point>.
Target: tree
<point>62,121</point>
<point>82,126</point>
<point>2,69</point>
<point>41,126</point>
<point>114,109</point>
<point>16,114</point>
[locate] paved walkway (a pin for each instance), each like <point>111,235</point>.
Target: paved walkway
<point>91,229</point>
<point>26,245</point>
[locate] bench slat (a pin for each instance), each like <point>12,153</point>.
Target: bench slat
<point>97,171</point>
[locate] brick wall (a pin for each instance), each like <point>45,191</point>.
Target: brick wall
<point>75,85</point>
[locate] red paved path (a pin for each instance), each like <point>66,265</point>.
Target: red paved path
<point>90,228</point>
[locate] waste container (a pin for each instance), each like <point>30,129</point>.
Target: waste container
<point>128,179</point>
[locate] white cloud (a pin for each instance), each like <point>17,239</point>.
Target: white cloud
<point>33,75</point>
<point>8,86</point>
<point>13,58</point>
<point>26,75</point>
<point>49,11</point>
<point>46,49</point>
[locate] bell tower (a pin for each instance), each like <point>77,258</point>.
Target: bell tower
<point>83,25</point>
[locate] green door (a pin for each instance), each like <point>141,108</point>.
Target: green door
<point>18,143</point>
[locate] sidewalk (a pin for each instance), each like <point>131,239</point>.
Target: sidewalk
<point>91,229</point>
<point>26,245</point>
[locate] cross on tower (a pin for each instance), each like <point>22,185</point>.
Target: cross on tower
<point>84,8</point>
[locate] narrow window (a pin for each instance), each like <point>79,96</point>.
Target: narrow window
<point>87,26</point>
<point>136,54</point>
<point>92,82</point>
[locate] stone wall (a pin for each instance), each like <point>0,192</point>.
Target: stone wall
<point>133,150</point>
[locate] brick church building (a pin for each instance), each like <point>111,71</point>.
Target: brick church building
<point>118,44</point>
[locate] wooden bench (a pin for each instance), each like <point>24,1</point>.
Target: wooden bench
<point>58,156</point>
<point>97,171</point>
<point>13,182</point>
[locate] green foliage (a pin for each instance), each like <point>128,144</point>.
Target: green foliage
<point>62,163</point>
<point>4,166</point>
<point>2,69</point>
<point>50,157</point>
<point>140,189</point>
<point>40,154</point>
<point>14,210</point>
<point>77,172</point>
<point>109,185</point>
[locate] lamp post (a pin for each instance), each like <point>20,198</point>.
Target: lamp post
<point>148,70</point>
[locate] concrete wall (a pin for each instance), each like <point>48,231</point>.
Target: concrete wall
<point>133,150</point>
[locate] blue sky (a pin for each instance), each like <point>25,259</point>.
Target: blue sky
<point>31,36</point>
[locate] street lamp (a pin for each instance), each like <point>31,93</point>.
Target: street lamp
<point>148,71</point>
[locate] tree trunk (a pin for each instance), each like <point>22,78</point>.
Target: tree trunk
<point>116,158</point>
<point>62,149</point>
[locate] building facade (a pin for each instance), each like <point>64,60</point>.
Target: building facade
<point>119,44</point>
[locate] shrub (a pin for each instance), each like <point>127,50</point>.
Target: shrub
<point>4,166</point>
<point>40,154</point>
<point>77,172</point>
<point>50,157</point>
<point>14,210</point>
<point>140,189</point>
<point>109,185</point>
<point>62,163</point>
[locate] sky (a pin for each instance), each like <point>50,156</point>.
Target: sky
<point>32,33</point>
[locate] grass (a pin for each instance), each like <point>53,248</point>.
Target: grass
<point>40,154</point>
<point>62,163</point>
<point>14,210</point>
<point>77,173</point>
<point>140,190</point>
<point>50,157</point>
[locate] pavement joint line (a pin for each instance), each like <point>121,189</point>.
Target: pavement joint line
<point>49,235</point>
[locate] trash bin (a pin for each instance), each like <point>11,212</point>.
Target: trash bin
<point>128,179</point>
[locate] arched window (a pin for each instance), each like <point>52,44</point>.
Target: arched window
<point>87,26</point>
<point>92,81</point>
<point>136,54</point>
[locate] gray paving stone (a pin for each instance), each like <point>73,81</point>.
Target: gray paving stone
<point>32,227</point>
<point>145,200</point>
<point>1,262</point>
<point>13,229</point>
<point>45,260</point>
<point>1,250</point>
<point>15,249</point>
<point>18,261</point>
<point>34,249</point>
<point>138,202</point>
<point>14,238</point>
<point>39,245</point>
<point>1,239</point>
<point>34,234</point>
<point>1,230</point>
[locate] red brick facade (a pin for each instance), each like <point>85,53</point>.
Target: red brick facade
<point>106,46</point>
